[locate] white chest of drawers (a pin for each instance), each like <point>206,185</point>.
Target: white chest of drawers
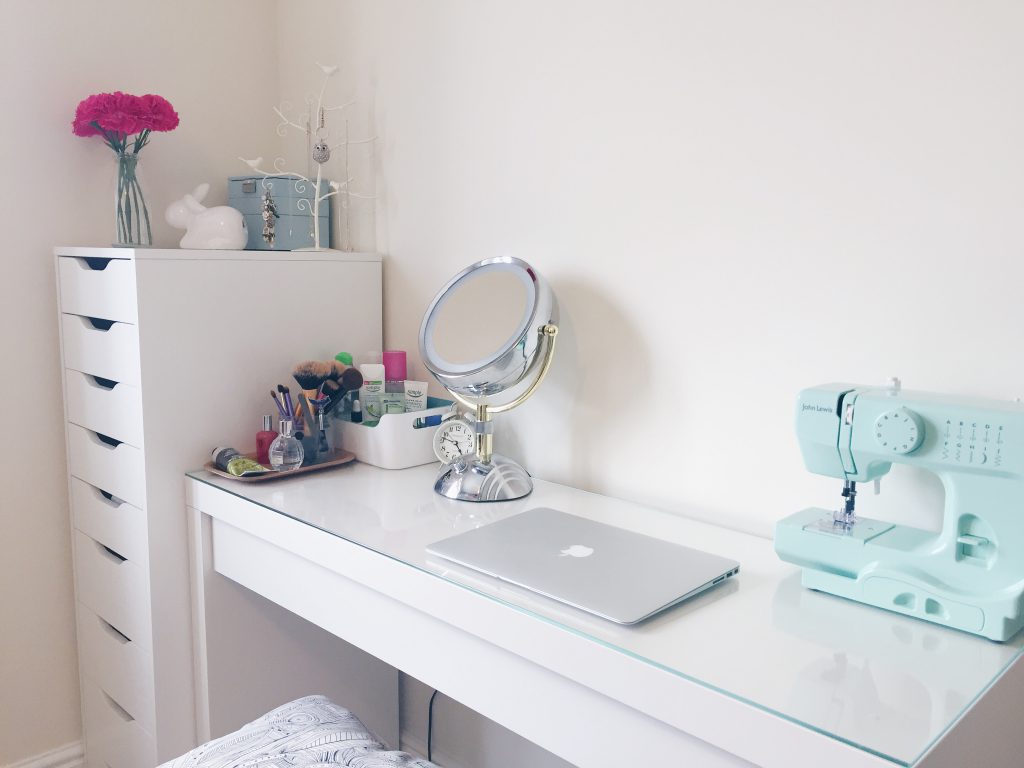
<point>166,354</point>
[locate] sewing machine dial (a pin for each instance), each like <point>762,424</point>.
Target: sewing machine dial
<point>453,439</point>
<point>899,430</point>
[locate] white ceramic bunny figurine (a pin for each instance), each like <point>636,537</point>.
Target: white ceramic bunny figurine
<point>219,228</point>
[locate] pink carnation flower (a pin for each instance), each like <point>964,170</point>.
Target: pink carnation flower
<point>156,113</point>
<point>118,115</point>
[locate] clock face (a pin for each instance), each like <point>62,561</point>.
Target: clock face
<point>452,440</point>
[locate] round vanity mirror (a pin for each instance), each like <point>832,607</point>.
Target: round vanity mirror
<point>489,335</point>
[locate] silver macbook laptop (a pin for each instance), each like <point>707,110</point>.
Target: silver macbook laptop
<point>611,572</point>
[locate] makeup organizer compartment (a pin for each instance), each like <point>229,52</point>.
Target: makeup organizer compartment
<point>394,442</point>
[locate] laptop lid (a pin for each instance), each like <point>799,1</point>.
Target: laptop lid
<point>613,573</point>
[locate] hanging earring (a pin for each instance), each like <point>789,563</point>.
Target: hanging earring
<point>321,152</point>
<point>268,214</point>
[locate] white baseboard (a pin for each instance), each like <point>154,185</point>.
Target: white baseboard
<point>68,756</point>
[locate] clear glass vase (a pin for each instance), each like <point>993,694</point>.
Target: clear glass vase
<point>131,214</point>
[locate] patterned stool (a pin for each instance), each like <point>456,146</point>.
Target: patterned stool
<point>311,732</point>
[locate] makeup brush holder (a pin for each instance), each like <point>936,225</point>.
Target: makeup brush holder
<point>394,442</point>
<point>310,455</point>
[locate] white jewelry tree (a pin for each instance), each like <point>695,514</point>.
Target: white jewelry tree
<point>320,153</point>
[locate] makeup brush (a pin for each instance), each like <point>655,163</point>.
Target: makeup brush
<point>332,395</point>
<point>335,391</point>
<point>310,375</point>
<point>337,368</point>
<point>351,379</point>
<point>330,388</point>
<point>307,413</point>
<point>287,402</point>
<point>280,408</point>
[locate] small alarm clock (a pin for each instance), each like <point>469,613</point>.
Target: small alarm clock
<point>454,438</point>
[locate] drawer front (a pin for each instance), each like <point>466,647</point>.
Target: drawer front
<point>104,406</point>
<point>112,353</point>
<point>98,287</point>
<point>118,665</point>
<point>110,521</point>
<point>117,469</point>
<point>113,738</point>
<point>114,588</point>
<point>290,232</point>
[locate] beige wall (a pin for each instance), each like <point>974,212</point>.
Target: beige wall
<point>733,200</point>
<point>215,62</point>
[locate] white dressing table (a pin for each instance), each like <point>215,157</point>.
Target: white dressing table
<point>756,671</point>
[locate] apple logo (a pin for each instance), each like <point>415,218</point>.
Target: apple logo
<point>577,550</point>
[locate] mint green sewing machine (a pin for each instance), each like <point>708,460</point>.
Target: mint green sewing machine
<point>970,575</point>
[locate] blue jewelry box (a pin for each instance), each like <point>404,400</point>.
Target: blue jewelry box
<point>284,205</point>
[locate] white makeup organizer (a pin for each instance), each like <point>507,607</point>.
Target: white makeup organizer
<point>165,355</point>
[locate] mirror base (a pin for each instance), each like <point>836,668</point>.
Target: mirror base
<point>469,479</point>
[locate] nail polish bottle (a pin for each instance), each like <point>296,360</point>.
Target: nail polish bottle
<point>263,440</point>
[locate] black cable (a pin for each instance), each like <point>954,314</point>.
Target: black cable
<point>430,728</point>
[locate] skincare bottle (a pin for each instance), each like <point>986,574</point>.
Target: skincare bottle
<point>263,440</point>
<point>345,358</point>
<point>394,381</point>
<point>231,461</point>
<point>357,412</point>
<point>415,396</point>
<point>372,392</point>
<point>286,451</point>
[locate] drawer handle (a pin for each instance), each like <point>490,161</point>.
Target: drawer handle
<point>98,382</point>
<point>92,263</point>
<point>95,323</point>
<point>113,631</point>
<point>105,440</point>
<point>120,711</point>
<point>107,497</point>
<point>115,557</point>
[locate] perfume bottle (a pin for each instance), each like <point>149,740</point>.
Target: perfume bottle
<point>263,440</point>
<point>286,451</point>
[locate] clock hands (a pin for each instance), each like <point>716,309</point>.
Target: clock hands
<point>458,448</point>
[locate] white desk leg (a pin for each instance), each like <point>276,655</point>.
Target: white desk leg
<point>252,655</point>
<point>989,733</point>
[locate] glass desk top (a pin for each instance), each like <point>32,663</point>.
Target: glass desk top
<point>884,683</point>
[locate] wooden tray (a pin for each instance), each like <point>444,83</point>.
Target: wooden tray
<point>338,459</point>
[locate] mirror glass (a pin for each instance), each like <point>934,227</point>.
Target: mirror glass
<point>480,316</point>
